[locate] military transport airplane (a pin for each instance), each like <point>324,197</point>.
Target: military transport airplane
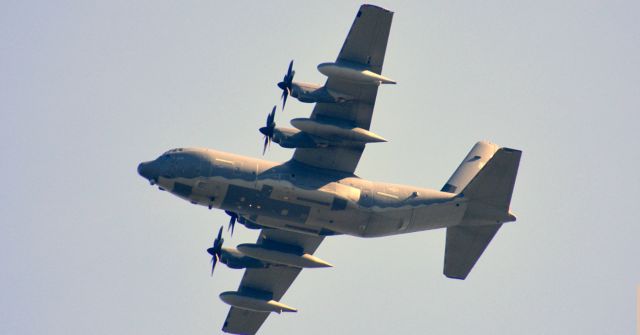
<point>316,194</point>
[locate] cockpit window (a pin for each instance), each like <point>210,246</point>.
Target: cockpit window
<point>174,150</point>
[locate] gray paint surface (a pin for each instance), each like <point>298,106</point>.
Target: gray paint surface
<point>90,88</point>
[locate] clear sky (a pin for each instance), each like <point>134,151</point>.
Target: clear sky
<point>89,89</point>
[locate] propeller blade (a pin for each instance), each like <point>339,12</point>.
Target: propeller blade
<point>266,142</point>
<point>286,84</point>
<point>216,250</point>
<point>285,94</point>
<point>290,68</point>
<point>268,130</point>
<point>214,260</point>
<point>219,234</point>
<point>232,221</point>
<point>271,117</point>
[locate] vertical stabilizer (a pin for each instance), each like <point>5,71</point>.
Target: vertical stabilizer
<point>470,166</point>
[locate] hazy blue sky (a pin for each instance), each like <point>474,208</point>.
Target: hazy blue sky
<point>89,89</point>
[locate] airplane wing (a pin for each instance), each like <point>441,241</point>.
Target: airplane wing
<point>273,280</point>
<point>365,46</point>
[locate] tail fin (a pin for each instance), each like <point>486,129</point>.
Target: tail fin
<point>489,193</point>
<point>470,166</point>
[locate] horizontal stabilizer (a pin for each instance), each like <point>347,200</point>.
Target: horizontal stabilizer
<point>465,245</point>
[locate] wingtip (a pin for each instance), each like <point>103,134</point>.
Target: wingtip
<point>376,7</point>
<point>455,276</point>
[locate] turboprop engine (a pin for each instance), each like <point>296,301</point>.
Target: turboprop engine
<point>315,133</point>
<point>231,257</point>
<point>307,92</point>
<point>235,259</point>
<point>285,137</point>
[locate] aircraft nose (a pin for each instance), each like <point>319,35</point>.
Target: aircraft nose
<point>147,170</point>
<point>141,169</point>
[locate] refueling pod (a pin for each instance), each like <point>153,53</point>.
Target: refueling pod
<point>279,256</point>
<point>252,303</point>
<point>336,131</point>
<point>353,72</point>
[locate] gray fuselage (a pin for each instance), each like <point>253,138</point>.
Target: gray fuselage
<point>296,197</point>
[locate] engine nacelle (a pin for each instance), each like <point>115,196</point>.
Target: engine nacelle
<point>248,224</point>
<point>235,259</point>
<point>292,138</point>
<point>313,93</point>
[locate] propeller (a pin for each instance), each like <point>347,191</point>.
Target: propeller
<point>232,221</point>
<point>267,131</point>
<point>216,250</point>
<point>285,84</point>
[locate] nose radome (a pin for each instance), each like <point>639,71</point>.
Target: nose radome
<point>145,170</point>
<point>140,169</point>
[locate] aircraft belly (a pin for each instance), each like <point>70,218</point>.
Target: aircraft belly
<point>331,209</point>
<point>351,221</point>
<point>251,202</point>
<point>279,204</point>
<point>437,216</point>
<point>385,222</point>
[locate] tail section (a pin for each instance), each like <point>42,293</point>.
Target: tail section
<point>489,192</point>
<point>464,246</point>
<point>470,166</point>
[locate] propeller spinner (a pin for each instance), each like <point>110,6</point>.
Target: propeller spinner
<point>216,250</point>
<point>286,84</point>
<point>267,130</point>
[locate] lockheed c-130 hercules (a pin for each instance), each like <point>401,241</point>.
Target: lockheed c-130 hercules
<point>316,194</point>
